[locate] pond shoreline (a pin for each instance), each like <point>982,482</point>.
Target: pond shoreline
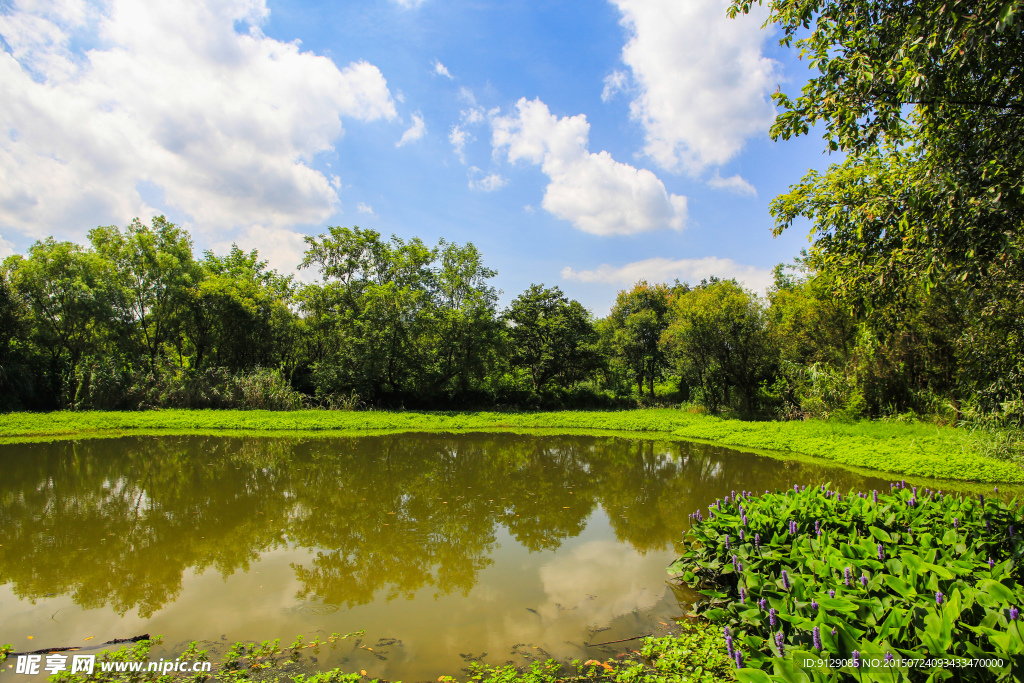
<point>916,450</point>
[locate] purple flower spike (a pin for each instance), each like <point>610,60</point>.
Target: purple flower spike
<point>938,598</point>
<point>743,518</point>
<point>817,638</point>
<point>734,496</point>
<point>913,501</point>
<point>874,495</point>
<point>864,580</point>
<point>991,563</point>
<point>847,575</point>
<point>773,618</point>
<point>796,488</point>
<point>832,594</point>
<point>817,527</point>
<point>981,499</point>
<point>1014,613</point>
<point>839,497</point>
<point>743,595</point>
<point>726,541</point>
<point>741,535</point>
<point>792,527</point>
<point>914,491</point>
<point>996,490</point>
<point>889,657</point>
<point>762,603</point>
<point>780,643</point>
<point>739,660</point>
<point>855,659</point>
<point>728,643</point>
<point>735,563</point>
<point>814,605</point>
<point>956,522</point>
<point>757,541</point>
<point>785,579</point>
<point>833,631</point>
<point>881,553</point>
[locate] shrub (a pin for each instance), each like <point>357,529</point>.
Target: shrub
<point>812,573</point>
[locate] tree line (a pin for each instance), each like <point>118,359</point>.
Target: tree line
<point>135,319</point>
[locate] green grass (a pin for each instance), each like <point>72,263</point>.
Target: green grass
<point>916,450</point>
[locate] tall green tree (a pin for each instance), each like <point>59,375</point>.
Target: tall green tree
<point>720,342</point>
<point>926,100</point>
<point>637,320</point>
<point>365,321</point>
<point>238,315</point>
<point>152,270</point>
<point>551,337</point>
<point>463,319</point>
<point>66,290</point>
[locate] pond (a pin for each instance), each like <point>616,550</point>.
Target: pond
<point>443,548</point>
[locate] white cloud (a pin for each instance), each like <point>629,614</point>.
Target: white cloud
<point>736,184</point>
<point>467,96</point>
<point>529,209</point>
<point>6,248</point>
<point>473,115</point>
<point>414,132</point>
<point>459,137</point>
<point>283,249</point>
<point>365,208</point>
<point>441,70</point>
<point>703,81</point>
<point>596,193</point>
<point>408,4</point>
<point>666,269</point>
<point>222,126</point>
<point>488,183</point>
<point>615,82</point>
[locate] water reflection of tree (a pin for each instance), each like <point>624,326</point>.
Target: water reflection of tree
<point>119,521</point>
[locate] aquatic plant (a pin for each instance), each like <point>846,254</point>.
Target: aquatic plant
<point>937,577</point>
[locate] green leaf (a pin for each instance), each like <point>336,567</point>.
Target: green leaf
<point>752,676</point>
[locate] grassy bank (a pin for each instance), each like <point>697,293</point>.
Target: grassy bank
<point>906,449</point>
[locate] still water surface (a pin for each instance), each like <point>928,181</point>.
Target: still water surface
<point>442,547</point>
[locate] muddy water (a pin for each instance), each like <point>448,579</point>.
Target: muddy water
<point>442,548</point>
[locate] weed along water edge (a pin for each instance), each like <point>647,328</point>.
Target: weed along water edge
<point>908,450</point>
<point>442,548</point>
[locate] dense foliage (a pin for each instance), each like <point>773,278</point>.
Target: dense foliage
<point>918,231</point>
<point>812,574</point>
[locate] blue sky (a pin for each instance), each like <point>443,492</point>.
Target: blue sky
<point>578,144</point>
